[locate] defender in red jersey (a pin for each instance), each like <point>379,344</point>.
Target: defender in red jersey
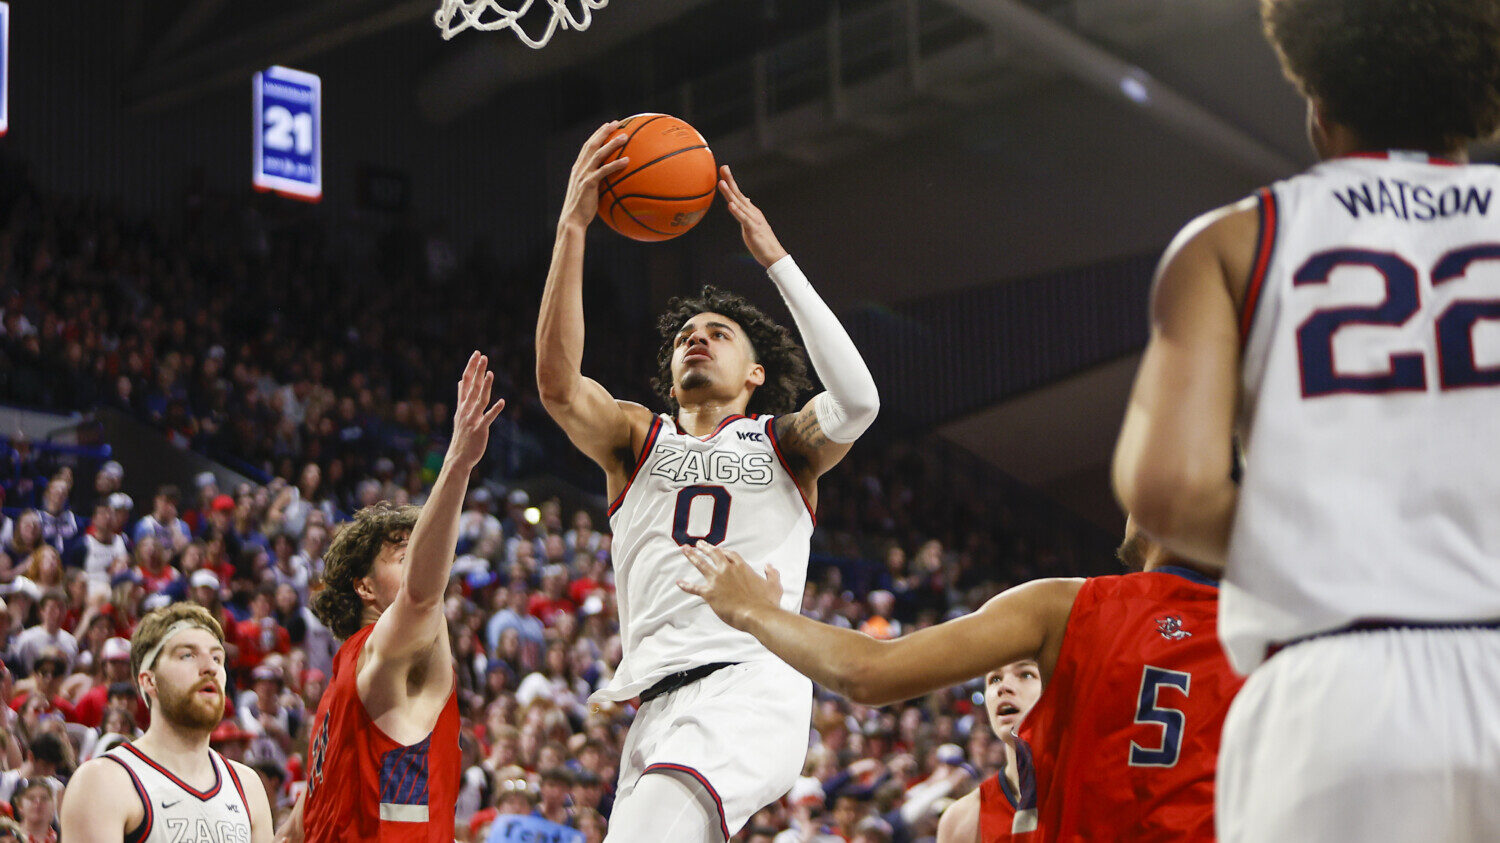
<point>988,812</point>
<point>1137,686</point>
<point>383,764</point>
<point>1126,737</point>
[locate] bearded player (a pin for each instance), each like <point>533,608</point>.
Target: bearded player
<point>987,814</point>
<point>722,726</point>
<point>1124,739</point>
<point>383,762</point>
<point>168,785</point>
<point>1344,324</point>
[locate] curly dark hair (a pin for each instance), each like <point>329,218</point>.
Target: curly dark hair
<point>784,361</point>
<point>349,558</point>
<point>1402,74</point>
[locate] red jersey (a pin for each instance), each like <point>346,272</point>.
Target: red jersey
<point>1125,737</point>
<point>997,812</point>
<point>364,787</point>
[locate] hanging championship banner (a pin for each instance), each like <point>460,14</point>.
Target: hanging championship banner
<point>289,133</point>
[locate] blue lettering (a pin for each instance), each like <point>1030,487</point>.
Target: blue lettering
<point>1422,196</point>
<point>1356,198</point>
<point>1478,199</point>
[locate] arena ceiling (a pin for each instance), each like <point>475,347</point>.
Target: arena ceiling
<point>989,139</point>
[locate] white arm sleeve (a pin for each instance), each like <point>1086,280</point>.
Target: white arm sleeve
<point>850,401</point>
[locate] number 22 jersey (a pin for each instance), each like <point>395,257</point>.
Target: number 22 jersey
<point>1370,417</point>
<point>732,489</point>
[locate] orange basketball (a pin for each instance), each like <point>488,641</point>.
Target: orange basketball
<point>668,185</point>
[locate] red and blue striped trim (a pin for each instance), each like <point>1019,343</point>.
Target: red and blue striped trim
<point>201,795</point>
<point>639,463</point>
<point>1265,248</point>
<point>142,831</point>
<point>776,446</point>
<point>683,768</point>
<point>235,778</point>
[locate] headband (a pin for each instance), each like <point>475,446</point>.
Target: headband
<point>151,654</point>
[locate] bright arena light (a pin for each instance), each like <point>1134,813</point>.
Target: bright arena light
<point>533,515</point>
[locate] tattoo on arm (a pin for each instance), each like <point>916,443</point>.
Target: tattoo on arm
<point>800,433</point>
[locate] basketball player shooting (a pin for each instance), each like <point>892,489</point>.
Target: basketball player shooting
<point>168,784</point>
<point>1123,739</point>
<point>383,760</point>
<point>722,726</point>
<point>1343,322</point>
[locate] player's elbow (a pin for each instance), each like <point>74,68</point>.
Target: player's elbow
<point>555,384</point>
<point>863,681</point>
<point>1167,503</point>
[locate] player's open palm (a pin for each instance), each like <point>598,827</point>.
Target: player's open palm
<point>592,167</point>
<point>759,238</point>
<point>474,414</point>
<point>732,588</point>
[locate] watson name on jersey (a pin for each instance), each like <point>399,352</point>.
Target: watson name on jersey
<point>732,489</point>
<point>1371,412</point>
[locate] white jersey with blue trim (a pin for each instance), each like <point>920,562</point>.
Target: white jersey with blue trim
<point>176,811</point>
<point>732,489</point>
<point>1370,418</point>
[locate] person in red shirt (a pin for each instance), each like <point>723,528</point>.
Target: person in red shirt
<point>1124,739</point>
<point>260,635</point>
<point>552,599</point>
<point>987,813</point>
<point>384,759</point>
<point>47,673</point>
<point>89,710</point>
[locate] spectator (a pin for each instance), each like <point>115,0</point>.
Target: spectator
<point>582,538</point>
<point>26,537</point>
<point>476,523</point>
<point>115,657</point>
<point>35,804</point>
<point>881,622</point>
<point>59,525</point>
<point>121,505</point>
<point>108,479</point>
<point>46,681</point>
<point>152,569</point>
<point>101,549</point>
<point>48,636</point>
<point>171,531</point>
<point>529,629</point>
<point>260,635</point>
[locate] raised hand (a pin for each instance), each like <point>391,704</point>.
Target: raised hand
<point>730,586</point>
<point>759,238</point>
<point>582,200</point>
<point>474,414</point>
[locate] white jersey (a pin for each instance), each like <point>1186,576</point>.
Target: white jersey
<point>175,812</point>
<point>1371,410</point>
<point>732,489</point>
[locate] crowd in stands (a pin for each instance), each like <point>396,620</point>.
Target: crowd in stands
<point>269,341</point>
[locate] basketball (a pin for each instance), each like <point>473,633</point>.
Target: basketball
<point>668,185</point>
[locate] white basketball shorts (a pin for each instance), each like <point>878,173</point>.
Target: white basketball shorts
<point>1384,735</point>
<point>741,733</point>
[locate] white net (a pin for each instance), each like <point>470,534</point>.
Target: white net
<point>457,15</point>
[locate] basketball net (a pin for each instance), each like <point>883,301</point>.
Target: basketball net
<point>490,14</point>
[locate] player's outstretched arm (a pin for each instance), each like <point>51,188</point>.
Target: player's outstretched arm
<point>261,822</point>
<point>1172,465</point>
<point>414,621</point>
<point>1025,622</point>
<point>821,433</point>
<point>99,805</point>
<point>593,420</point>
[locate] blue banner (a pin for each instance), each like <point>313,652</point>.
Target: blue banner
<point>289,133</point>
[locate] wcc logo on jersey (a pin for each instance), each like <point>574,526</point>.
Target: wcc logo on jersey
<point>678,464</point>
<point>1170,627</point>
